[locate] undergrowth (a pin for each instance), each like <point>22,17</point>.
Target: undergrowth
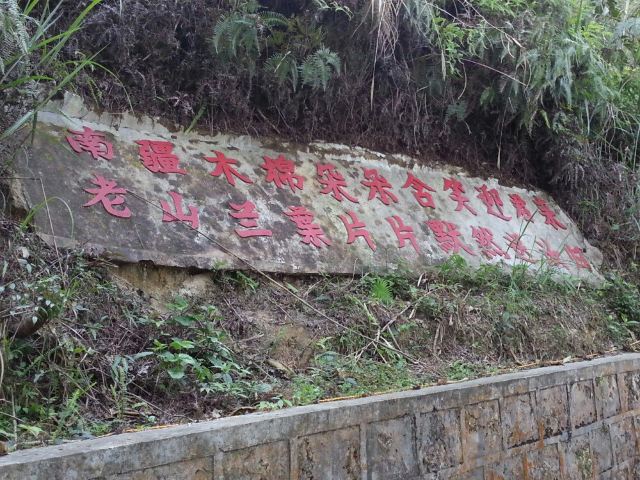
<point>100,360</point>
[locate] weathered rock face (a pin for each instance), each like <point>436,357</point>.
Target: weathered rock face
<point>132,190</point>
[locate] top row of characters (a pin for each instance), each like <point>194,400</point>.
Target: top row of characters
<point>158,157</point>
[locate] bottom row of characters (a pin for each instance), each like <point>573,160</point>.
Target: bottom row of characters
<point>446,233</point>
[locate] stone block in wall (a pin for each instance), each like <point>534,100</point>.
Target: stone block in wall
<point>543,464</point>
<point>506,469</point>
<point>632,387</point>
<point>333,455</point>
<point>482,430</point>
<point>587,456</point>
<point>608,396</point>
<point>518,420</point>
<point>579,461</point>
<point>617,473</point>
<point>269,461</point>
<point>552,412</point>
<point>601,450</point>
<point>198,469</point>
<point>439,440</point>
<point>583,405</point>
<point>475,474</point>
<point>623,440</point>
<point>391,449</point>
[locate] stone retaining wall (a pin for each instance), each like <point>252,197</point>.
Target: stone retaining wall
<point>576,421</point>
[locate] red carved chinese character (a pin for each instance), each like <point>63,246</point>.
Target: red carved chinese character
<point>90,141</point>
<point>378,185</point>
<point>334,183</point>
<point>158,157</point>
<point>514,242</point>
<point>491,198</point>
<point>548,214</point>
<point>310,232</point>
<point>448,237</point>
<point>104,193</point>
<point>552,256</point>
<point>421,191</point>
<point>577,255</point>
<point>484,238</point>
<point>403,232</point>
<point>521,207</point>
<point>179,215</point>
<point>282,172</point>
<point>457,195</point>
<point>247,214</point>
<point>356,229</point>
<point>224,165</point>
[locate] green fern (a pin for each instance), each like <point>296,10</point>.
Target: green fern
<point>381,290</point>
<point>284,67</point>
<point>318,68</point>
<point>242,33</point>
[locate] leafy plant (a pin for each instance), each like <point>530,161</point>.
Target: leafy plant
<point>30,55</point>
<point>623,299</point>
<point>305,391</point>
<point>250,30</point>
<point>243,32</point>
<point>318,68</point>
<point>276,403</point>
<point>284,67</point>
<point>203,357</point>
<point>381,290</point>
<point>460,370</point>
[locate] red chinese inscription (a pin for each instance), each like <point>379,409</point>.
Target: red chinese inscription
<point>333,182</point>
<point>247,214</point>
<point>110,195</point>
<point>421,191</point>
<point>458,195</point>
<point>548,214</point>
<point>521,207</point>
<point>356,228</point>
<point>488,247</point>
<point>577,255</point>
<point>225,166</point>
<point>448,237</point>
<point>515,243</point>
<point>552,256</point>
<point>282,172</point>
<point>178,214</point>
<point>158,157</point>
<point>378,186</point>
<point>493,202</point>
<point>403,232</point>
<point>311,233</point>
<point>90,141</point>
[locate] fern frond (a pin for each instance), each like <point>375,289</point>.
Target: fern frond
<point>318,68</point>
<point>284,67</point>
<point>240,32</point>
<point>381,291</point>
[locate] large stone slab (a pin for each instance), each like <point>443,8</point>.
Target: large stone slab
<point>114,185</point>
